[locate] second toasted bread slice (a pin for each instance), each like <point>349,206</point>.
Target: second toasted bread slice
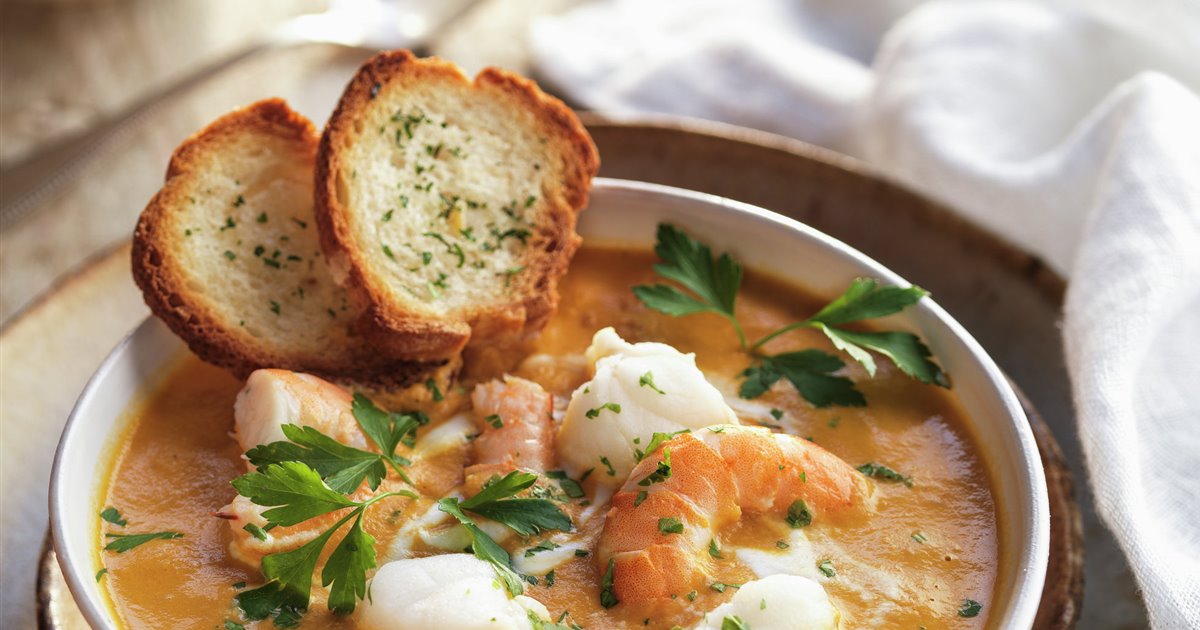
<point>448,206</point>
<point>227,254</point>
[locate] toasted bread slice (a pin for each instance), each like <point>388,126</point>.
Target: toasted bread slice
<point>227,254</point>
<point>447,206</point>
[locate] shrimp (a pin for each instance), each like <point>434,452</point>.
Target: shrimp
<point>271,399</point>
<point>447,591</point>
<point>706,481</point>
<point>515,417</point>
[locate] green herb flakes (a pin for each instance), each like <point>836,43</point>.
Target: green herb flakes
<point>798,514</point>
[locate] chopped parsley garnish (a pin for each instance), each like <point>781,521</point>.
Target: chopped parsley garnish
<point>387,251</point>
<point>595,413</point>
<point>691,596</point>
<point>525,516</point>
<point>714,550</point>
<point>343,467</point>
<point>432,386</point>
<point>781,544</point>
<point>230,255</point>
<point>303,224</point>
<point>661,472</point>
<point>271,262</point>
<point>549,580</point>
<point>545,545</point>
<point>733,622</point>
<point>233,625</point>
<point>919,537</point>
<point>612,472</point>
<point>641,496</point>
<point>969,608</point>
<point>111,515</point>
<point>494,420</point>
<point>509,273</point>
<point>670,525</point>
<point>295,493</point>
<point>607,598</point>
<point>647,380</point>
<point>826,568</point>
<point>879,471</point>
<point>255,531</point>
<point>530,200</point>
<point>100,574</point>
<point>124,542</point>
<point>721,586</point>
<point>656,440</point>
<point>262,218</point>
<point>274,307</point>
<point>569,486</point>
<point>798,514</point>
<point>713,286</point>
<point>453,248</point>
<point>240,201</point>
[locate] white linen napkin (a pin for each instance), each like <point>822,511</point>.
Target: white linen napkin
<point>1071,130</point>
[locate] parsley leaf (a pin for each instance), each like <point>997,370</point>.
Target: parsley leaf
<point>485,548</point>
<point>124,542</point>
<point>969,608</point>
<point>670,525</point>
<point>733,622</point>
<point>714,285</point>
<point>296,493</point>
<point>810,372</point>
<point>111,515</point>
<point>344,467</point>
<point>607,598</point>
<point>295,488</point>
<point>656,440</point>
<point>346,569</point>
<point>865,299</point>
<point>386,430</point>
<point>879,471</point>
<point>524,516</point>
<point>661,473</point>
<point>826,568</point>
<point>798,514</point>
<point>691,264</point>
<point>545,545</point>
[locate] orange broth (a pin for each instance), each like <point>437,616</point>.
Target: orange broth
<point>908,563</point>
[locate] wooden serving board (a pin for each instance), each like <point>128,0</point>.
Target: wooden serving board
<point>1007,299</point>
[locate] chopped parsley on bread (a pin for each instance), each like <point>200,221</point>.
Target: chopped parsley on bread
<point>227,254</point>
<point>447,206</point>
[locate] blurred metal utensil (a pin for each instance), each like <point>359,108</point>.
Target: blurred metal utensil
<point>369,25</point>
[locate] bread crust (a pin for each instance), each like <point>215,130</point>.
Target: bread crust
<point>403,333</point>
<point>188,316</point>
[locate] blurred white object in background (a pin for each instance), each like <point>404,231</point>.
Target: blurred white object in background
<point>1070,128</point>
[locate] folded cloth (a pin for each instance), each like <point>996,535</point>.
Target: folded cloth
<point>1071,130</point>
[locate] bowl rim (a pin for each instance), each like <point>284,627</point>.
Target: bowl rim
<point>1022,605</point>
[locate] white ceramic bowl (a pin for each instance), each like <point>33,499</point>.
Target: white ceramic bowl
<point>626,212</point>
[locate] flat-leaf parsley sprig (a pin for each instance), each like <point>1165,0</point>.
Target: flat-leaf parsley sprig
<point>525,516</point>
<point>295,493</point>
<point>715,282</point>
<point>344,467</point>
